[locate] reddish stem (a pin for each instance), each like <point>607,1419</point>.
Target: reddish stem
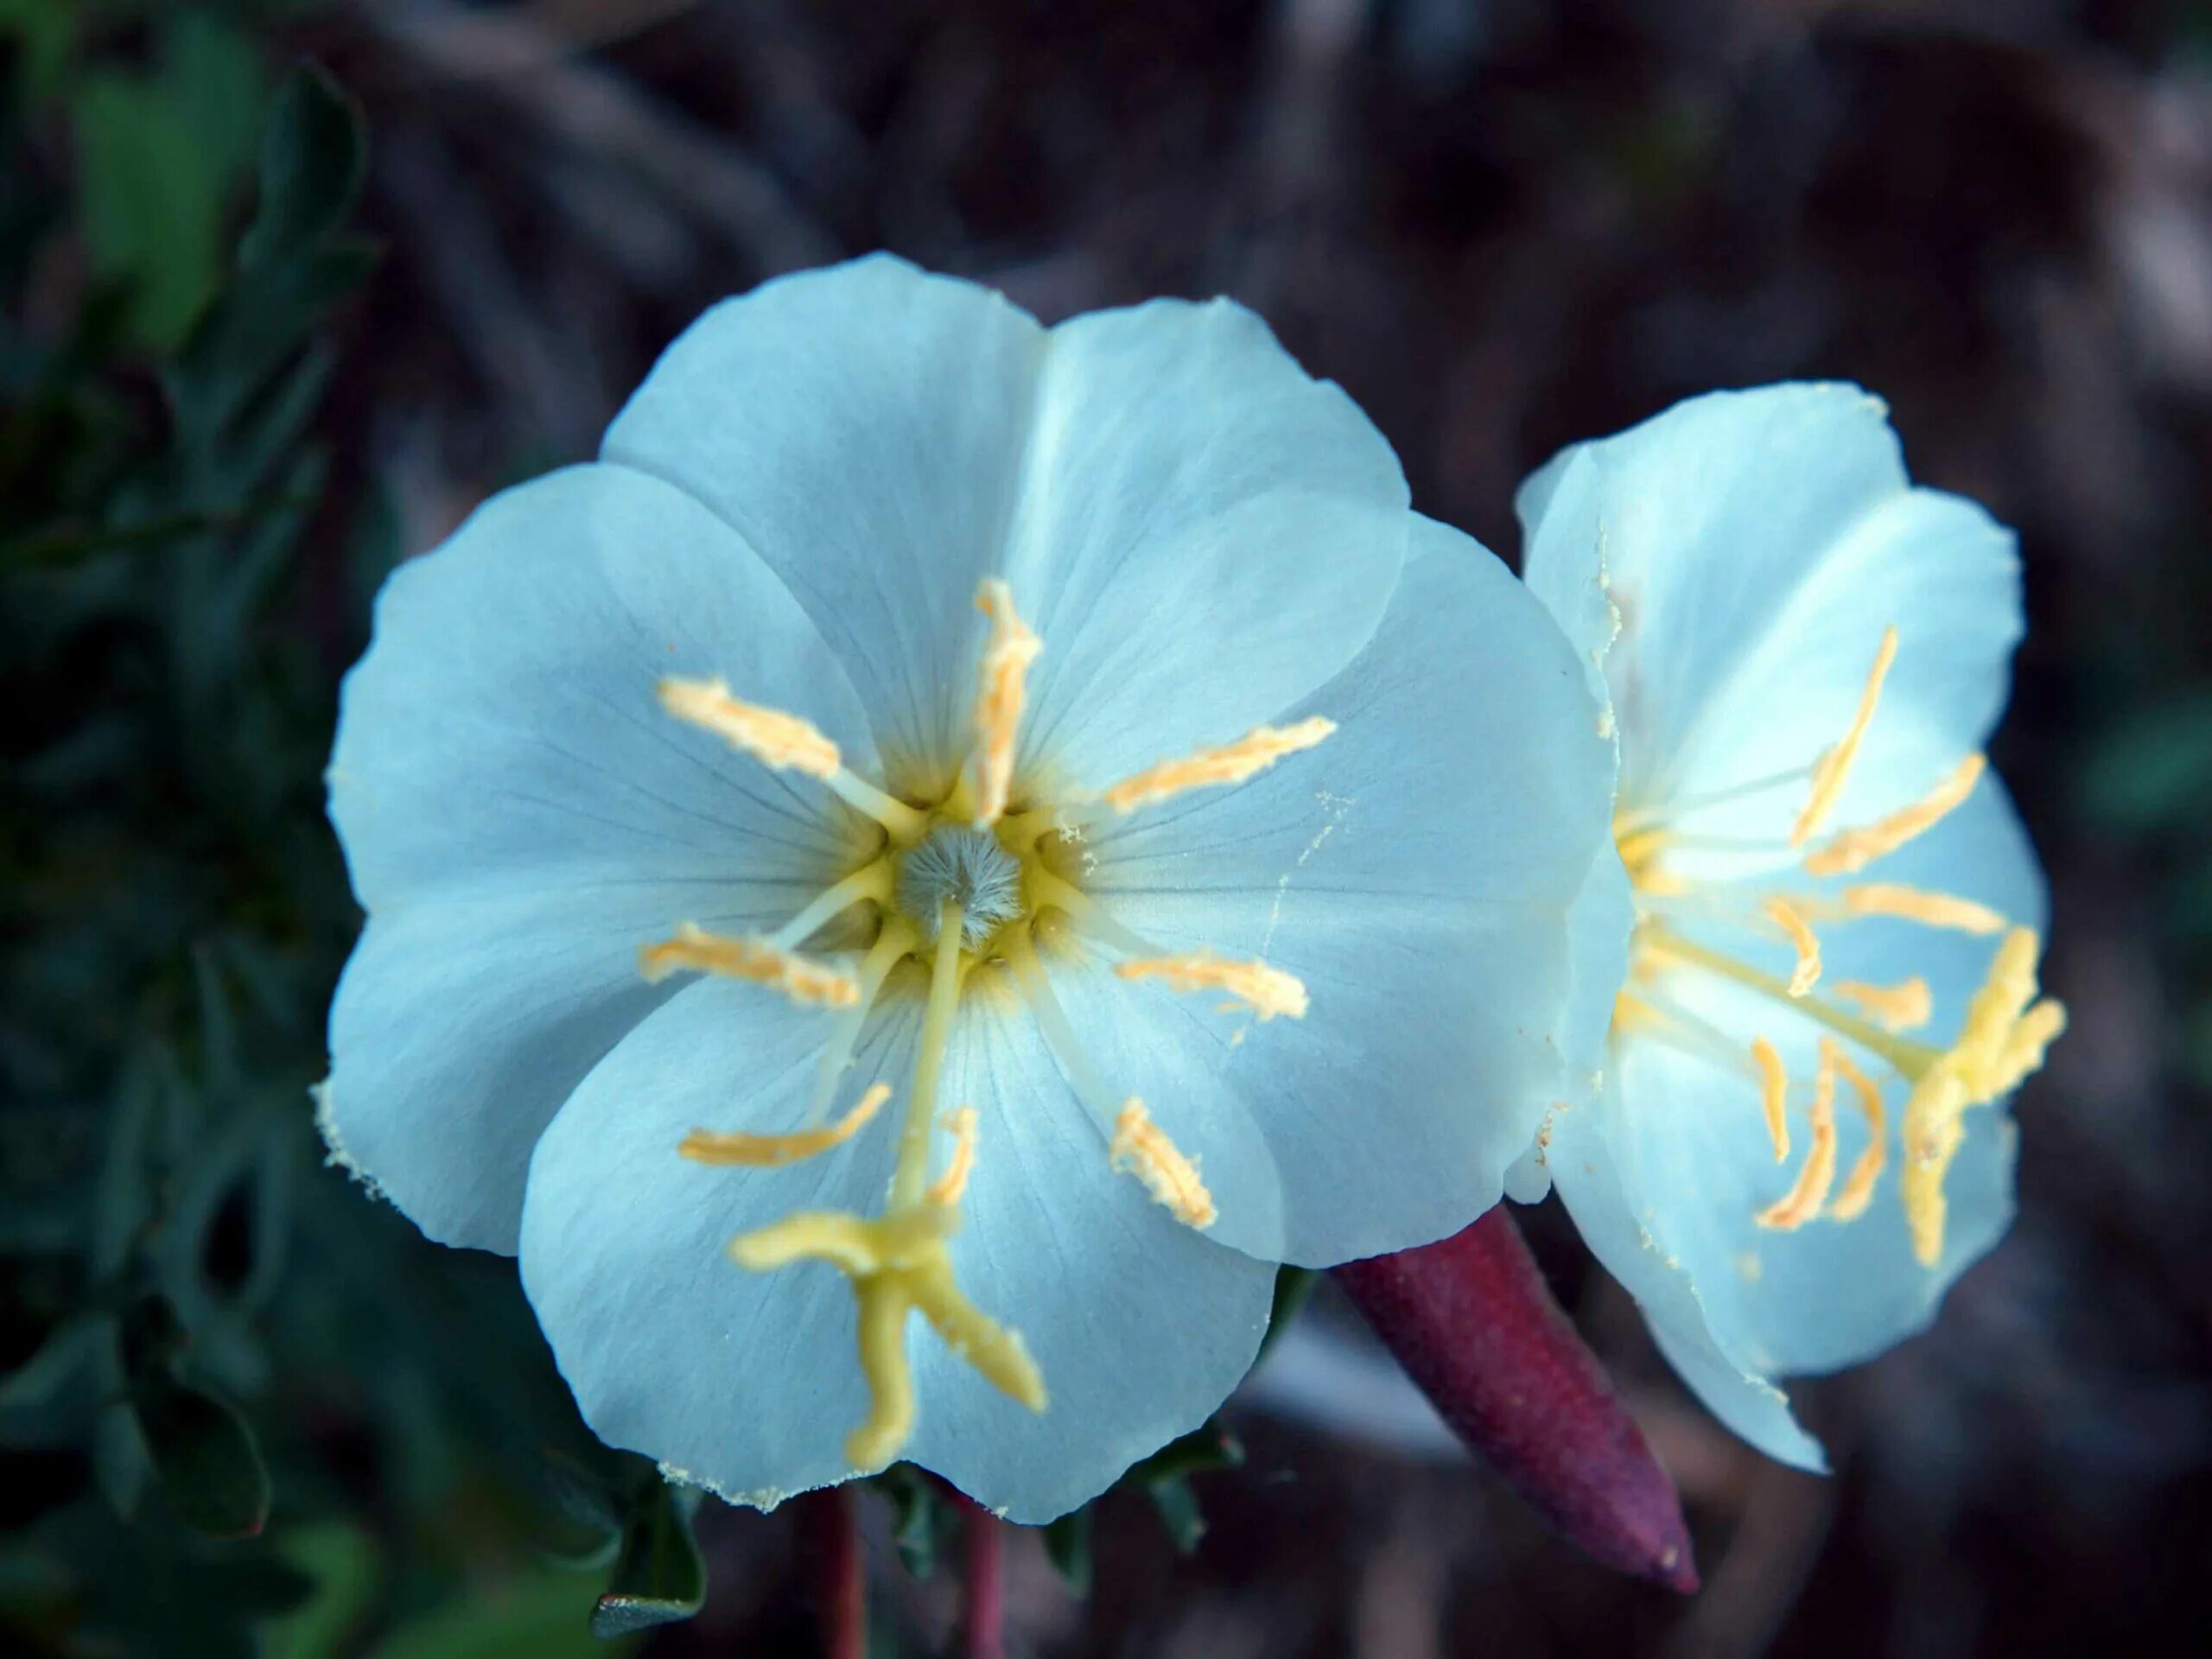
<point>1473,1323</point>
<point>985,1582</point>
<point>840,1574</point>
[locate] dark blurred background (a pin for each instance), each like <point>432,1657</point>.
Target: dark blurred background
<point>231,398</point>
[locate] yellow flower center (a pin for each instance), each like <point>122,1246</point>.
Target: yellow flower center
<point>946,893</point>
<point>2005,1033</point>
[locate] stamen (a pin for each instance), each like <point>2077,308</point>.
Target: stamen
<point>1088,914</point>
<point>800,978</point>
<point>773,1151</point>
<point>775,739</point>
<point>1852,850</point>
<point>891,947</point>
<point>1833,769</point>
<point>1052,1020</point>
<point>1229,763</point>
<point>1859,1188</point>
<point>1000,693</point>
<point>1142,1147</point>
<point>872,880</point>
<point>1906,1006</point>
<point>1267,991</point>
<point>1682,806</point>
<point>1918,904</point>
<point>1774,1096</point>
<point>999,1353</point>
<point>952,1186</point>
<point>1806,974</point>
<point>1804,1200</point>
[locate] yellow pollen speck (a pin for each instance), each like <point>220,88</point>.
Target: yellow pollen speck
<point>1858,1189</point>
<point>769,735</point>
<point>1906,1006</point>
<point>1142,1147</point>
<point>952,1186</point>
<point>801,978</point>
<point>1001,692</point>
<point>1833,769</point>
<point>1805,1199</point>
<point>1229,763</point>
<point>1774,1095</point>
<point>1917,905</point>
<point>1268,991</point>
<point>2005,1037</point>
<point>1852,850</point>
<point>1806,974</point>
<point>772,1151</point>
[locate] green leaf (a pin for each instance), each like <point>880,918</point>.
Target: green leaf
<point>204,1461</point>
<point>659,1577</point>
<point>152,201</point>
<point>1067,1546</point>
<point>1294,1289</point>
<point>1179,1512</point>
<point>341,1560</point>
<point>922,1523</point>
<point>313,157</point>
<point>2154,770</point>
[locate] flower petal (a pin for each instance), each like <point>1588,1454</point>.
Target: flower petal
<point>1828,1294</point>
<point>1204,534</point>
<point>1140,1325</point>
<point>503,730</point>
<point>1756,544</point>
<point>1416,872</point>
<point>749,1382</point>
<point>519,816</point>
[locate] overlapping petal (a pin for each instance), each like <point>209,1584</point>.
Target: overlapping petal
<point>1419,889</point>
<point>746,1381</point>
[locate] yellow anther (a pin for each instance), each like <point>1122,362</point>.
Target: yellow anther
<point>2005,1037</point>
<point>773,1151</point>
<point>1806,973</point>
<point>1267,991</point>
<point>1859,1187</point>
<point>1852,850</point>
<point>1833,769</point>
<point>769,735</point>
<point>801,978</point>
<point>952,1186</point>
<point>1805,1199</point>
<point>1229,763</point>
<point>1906,1006</point>
<point>1918,904</point>
<point>1001,692</point>
<point>1633,1013</point>
<point>1774,1096</point>
<point>1142,1147</point>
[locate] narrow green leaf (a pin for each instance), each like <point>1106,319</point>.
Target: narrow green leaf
<point>922,1523</point>
<point>659,1577</point>
<point>1067,1546</point>
<point>205,1461</point>
<point>1179,1512</point>
<point>1294,1289</point>
<point>314,156</point>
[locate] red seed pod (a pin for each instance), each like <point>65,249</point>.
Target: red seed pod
<point>1473,1323</point>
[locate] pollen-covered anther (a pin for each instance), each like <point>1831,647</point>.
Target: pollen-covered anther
<point>1850,851</point>
<point>1905,1006</point>
<point>1774,1095</point>
<point>1833,770</point>
<point>774,1151</point>
<point>1001,692</point>
<point>1267,991</point>
<point>1858,1186</point>
<point>1142,1147</point>
<point>1227,763</point>
<point>770,736</point>
<point>1804,1200</point>
<point>1918,904</point>
<point>801,978</point>
<point>952,1185</point>
<point>1784,916</point>
<point>2006,1032</point>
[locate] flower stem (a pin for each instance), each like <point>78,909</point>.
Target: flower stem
<point>985,1582</point>
<point>840,1573</point>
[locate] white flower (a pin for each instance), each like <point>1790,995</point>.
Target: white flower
<point>1809,978</point>
<point>887,618</point>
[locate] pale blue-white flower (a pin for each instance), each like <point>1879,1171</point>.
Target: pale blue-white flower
<point>1253,805</point>
<point>1806,981</point>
